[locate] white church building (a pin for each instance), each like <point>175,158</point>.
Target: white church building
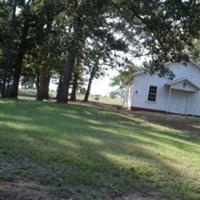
<point>180,95</point>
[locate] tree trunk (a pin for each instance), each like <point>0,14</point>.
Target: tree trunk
<point>76,42</point>
<point>43,90</point>
<point>92,75</point>
<point>59,86</point>
<point>63,92</point>
<point>9,49</point>
<point>75,86</point>
<point>17,74</point>
<point>21,50</point>
<point>37,82</point>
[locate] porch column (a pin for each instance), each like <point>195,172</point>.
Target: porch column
<point>169,99</point>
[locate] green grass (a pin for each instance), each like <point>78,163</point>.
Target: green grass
<point>27,92</point>
<point>93,154</point>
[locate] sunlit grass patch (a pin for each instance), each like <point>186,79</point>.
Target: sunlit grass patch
<point>70,146</point>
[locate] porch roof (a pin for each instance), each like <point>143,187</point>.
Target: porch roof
<point>183,84</point>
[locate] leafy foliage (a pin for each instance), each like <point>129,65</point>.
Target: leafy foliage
<point>124,78</point>
<point>55,34</point>
<point>195,51</point>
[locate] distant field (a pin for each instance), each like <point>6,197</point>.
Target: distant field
<point>32,93</point>
<point>53,151</point>
<point>102,99</point>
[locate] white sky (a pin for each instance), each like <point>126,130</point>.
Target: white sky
<point>102,86</point>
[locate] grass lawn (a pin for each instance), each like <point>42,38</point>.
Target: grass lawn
<point>87,153</point>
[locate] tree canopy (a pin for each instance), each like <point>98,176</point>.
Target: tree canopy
<point>51,37</point>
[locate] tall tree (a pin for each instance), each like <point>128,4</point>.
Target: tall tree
<point>161,29</point>
<point>31,21</point>
<point>88,20</point>
<point>8,24</point>
<point>77,73</point>
<point>168,28</point>
<point>98,58</point>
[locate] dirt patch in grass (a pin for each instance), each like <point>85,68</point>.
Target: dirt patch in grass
<point>136,196</point>
<point>14,187</point>
<point>29,190</point>
<point>178,122</point>
<point>22,190</point>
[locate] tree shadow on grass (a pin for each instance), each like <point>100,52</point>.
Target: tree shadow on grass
<point>71,146</point>
<point>182,123</point>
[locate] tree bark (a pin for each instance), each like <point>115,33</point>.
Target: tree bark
<point>92,75</point>
<point>77,40</point>
<point>43,90</point>
<point>37,82</point>
<point>17,74</point>
<point>59,86</point>
<point>22,48</point>
<point>63,91</point>
<point>4,92</point>
<point>75,86</point>
<point>76,77</point>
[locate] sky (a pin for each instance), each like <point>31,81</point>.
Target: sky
<point>102,86</point>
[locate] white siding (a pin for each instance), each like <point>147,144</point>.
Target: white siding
<point>141,90</point>
<point>180,102</point>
